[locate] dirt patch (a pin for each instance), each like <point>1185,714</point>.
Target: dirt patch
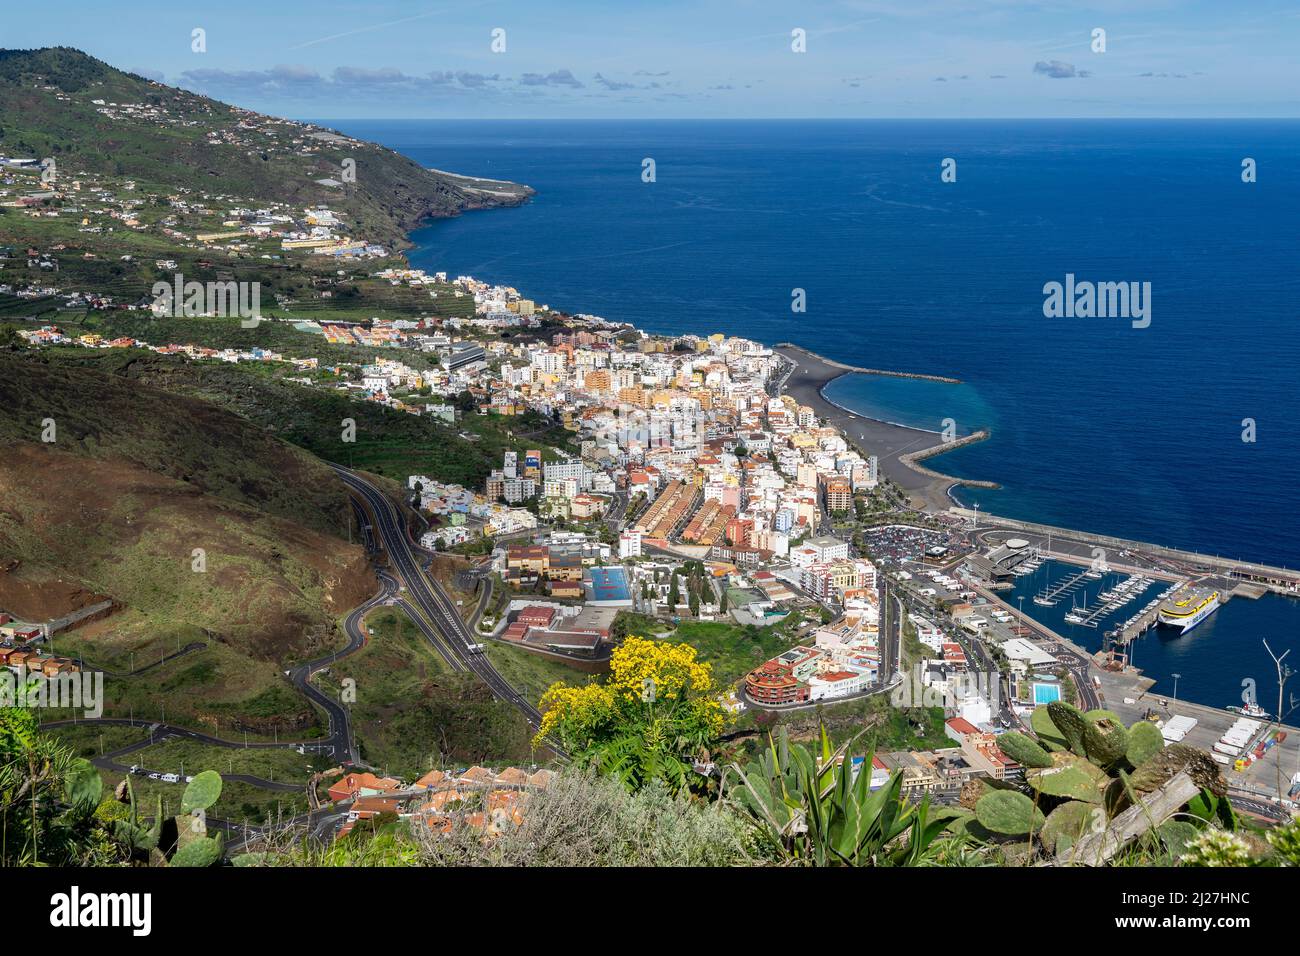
<point>37,597</point>
<point>85,529</point>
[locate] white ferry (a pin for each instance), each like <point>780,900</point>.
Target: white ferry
<point>1187,609</point>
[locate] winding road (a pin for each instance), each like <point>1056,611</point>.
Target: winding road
<point>425,600</point>
<point>408,587</point>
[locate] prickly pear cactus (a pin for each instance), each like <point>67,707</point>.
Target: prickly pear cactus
<point>202,792</point>
<point>1144,741</point>
<point>204,851</point>
<point>1008,813</point>
<point>1069,776</point>
<point>1105,741</point>
<point>1163,766</point>
<point>1023,750</point>
<point>1070,723</point>
<point>1049,737</point>
<point>1070,821</point>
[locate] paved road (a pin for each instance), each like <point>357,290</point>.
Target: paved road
<point>617,511</point>
<point>485,596</point>
<point>426,595</point>
<point>1249,803</point>
<point>161,731</point>
<point>340,742</point>
<point>190,648</point>
<point>110,761</point>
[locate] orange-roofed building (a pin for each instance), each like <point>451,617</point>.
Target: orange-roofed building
<point>434,778</point>
<point>439,799</point>
<point>477,775</point>
<point>367,807</point>
<point>361,785</point>
<point>541,778</point>
<point>959,728</point>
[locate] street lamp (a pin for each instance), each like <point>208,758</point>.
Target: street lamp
<point>1283,672</point>
<point>1175,677</point>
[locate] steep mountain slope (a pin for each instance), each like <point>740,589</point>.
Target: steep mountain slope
<point>135,480</point>
<point>307,417</point>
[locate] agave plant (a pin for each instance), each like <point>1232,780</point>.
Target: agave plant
<point>47,796</point>
<point>138,838</point>
<point>817,811</point>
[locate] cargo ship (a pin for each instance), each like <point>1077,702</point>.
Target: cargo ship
<point>1188,608</point>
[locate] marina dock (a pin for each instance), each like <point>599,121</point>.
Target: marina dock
<point>1111,601</point>
<point>1048,597</point>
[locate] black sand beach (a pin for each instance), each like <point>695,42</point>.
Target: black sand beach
<point>889,443</point>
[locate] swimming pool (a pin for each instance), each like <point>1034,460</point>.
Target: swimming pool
<point>1046,693</point>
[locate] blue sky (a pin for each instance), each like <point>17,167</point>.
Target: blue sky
<point>706,58</point>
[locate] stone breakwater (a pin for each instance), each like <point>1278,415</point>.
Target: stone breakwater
<point>912,460</point>
<point>867,371</point>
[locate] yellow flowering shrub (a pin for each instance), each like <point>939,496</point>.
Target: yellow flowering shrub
<point>671,668</point>
<point>657,692</point>
<point>578,711</point>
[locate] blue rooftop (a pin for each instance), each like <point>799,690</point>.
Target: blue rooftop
<point>607,584</point>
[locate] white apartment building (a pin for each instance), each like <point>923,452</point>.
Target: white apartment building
<point>629,545</point>
<point>574,468</point>
<point>548,363</point>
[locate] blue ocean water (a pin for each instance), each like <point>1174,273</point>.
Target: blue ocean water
<point>1098,425</point>
<point>1095,424</point>
<point>916,403</point>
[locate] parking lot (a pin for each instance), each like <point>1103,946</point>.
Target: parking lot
<point>900,543</point>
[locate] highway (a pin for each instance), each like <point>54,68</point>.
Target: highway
<point>409,588</point>
<point>426,601</point>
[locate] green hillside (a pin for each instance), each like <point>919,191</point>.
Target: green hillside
<point>167,137</point>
